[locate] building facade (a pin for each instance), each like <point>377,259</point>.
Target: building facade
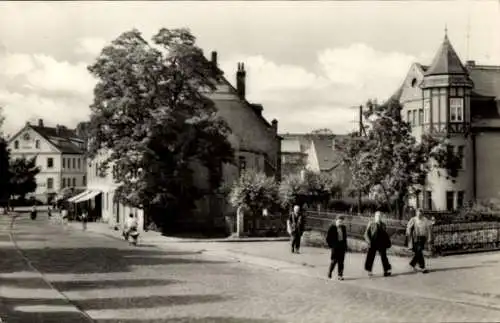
<point>256,143</point>
<point>460,102</point>
<point>60,155</point>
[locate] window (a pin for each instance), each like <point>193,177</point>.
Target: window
<point>428,200</point>
<point>460,91</point>
<point>427,111</point>
<point>449,200</point>
<point>63,182</point>
<point>64,163</point>
<point>50,162</point>
<point>79,163</point>
<point>37,144</point>
<point>84,180</point>
<point>453,91</point>
<point>242,165</point>
<point>50,183</point>
<point>16,144</point>
<point>408,116</point>
<point>96,169</point>
<point>449,152</point>
<point>107,201</point>
<point>414,118</point>
<point>74,181</point>
<point>460,199</point>
<point>456,109</point>
<point>460,154</point>
<point>420,116</point>
<point>74,163</point>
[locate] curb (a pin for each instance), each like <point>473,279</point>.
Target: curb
<point>61,295</point>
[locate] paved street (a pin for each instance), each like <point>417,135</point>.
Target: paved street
<point>65,275</point>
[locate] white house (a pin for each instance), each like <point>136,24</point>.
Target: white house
<point>60,155</point>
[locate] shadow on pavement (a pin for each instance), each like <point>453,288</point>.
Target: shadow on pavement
<point>436,270</point>
<point>210,319</point>
<point>90,260</point>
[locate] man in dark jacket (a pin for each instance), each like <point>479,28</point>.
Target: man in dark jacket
<point>378,241</point>
<point>337,241</point>
<point>296,227</point>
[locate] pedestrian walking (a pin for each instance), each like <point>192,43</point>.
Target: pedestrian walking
<point>418,232</point>
<point>49,211</point>
<point>84,217</point>
<point>295,227</point>
<point>64,215</point>
<point>336,239</point>
<point>378,241</point>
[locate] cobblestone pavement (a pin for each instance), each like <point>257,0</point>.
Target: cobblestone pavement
<point>111,281</point>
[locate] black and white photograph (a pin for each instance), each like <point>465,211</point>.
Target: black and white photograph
<point>249,161</point>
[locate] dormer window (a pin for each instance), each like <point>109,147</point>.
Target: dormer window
<point>16,144</point>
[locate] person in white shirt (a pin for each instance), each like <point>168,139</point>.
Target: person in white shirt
<point>419,232</point>
<point>130,225</point>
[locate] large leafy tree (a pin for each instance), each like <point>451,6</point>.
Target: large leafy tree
<point>388,161</point>
<point>23,179</point>
<point>151,110</point>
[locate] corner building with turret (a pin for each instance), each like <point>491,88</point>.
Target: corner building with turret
<point>461,102</point>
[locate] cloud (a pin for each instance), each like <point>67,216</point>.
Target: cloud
<point>344,77</point>
<point>302,99</point>
<point>90,46</point>
<point>39,86</point>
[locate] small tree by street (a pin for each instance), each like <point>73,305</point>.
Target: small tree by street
<point>388,162</point>
<point>255,192</point>
<point>152,112</point>
<point>23,173</point>
<point>310,188</point>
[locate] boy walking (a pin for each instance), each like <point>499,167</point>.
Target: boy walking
<point>336,239</point>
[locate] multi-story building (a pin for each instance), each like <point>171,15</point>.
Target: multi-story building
<point>60,155</point>
<point>460,102</point>
<point>256,143</point>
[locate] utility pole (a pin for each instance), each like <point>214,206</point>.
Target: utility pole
<point>360,134</point>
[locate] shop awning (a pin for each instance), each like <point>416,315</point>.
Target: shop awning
<point>88,196</point>
<point>77,196</point>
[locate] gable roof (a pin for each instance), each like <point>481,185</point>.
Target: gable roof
<point>60,137</point>
<point>446,61</point>
<point>327,157</point>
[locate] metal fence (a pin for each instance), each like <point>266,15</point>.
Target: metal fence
<point>446,238</point>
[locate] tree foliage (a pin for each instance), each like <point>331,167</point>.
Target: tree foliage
<point>151,110</point>
<point>388,161</point>
<point>5,174</point>
<point>254,191</point>
<point>310,188</point>
<point>23,179</point>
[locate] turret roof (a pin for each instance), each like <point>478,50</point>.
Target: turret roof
<point>446,61</point>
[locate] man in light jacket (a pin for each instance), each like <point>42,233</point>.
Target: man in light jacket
<point>418,232</point>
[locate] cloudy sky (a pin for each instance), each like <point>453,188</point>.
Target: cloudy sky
<point>307,62</point>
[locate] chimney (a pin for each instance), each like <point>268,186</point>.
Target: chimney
<point>214,58</point>
<point>470,63</point>
<point>274,125</point>
<point>40,123</point>
<point>241,80</point>
<point>58,130</point>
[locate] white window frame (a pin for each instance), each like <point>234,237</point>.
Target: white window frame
<point>456,110</point>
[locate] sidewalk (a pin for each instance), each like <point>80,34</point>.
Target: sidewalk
<point>470,279</point>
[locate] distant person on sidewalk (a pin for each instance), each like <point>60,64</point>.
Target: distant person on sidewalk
<point>84,217</point>
<point>378,241</point>
<point>64,215</point>
<point>131,225</point>
<point>337,241</point>
<point>418,232</point>
<point>295,226</point>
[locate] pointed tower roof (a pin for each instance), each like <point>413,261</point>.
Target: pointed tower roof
<point>446,61</point>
